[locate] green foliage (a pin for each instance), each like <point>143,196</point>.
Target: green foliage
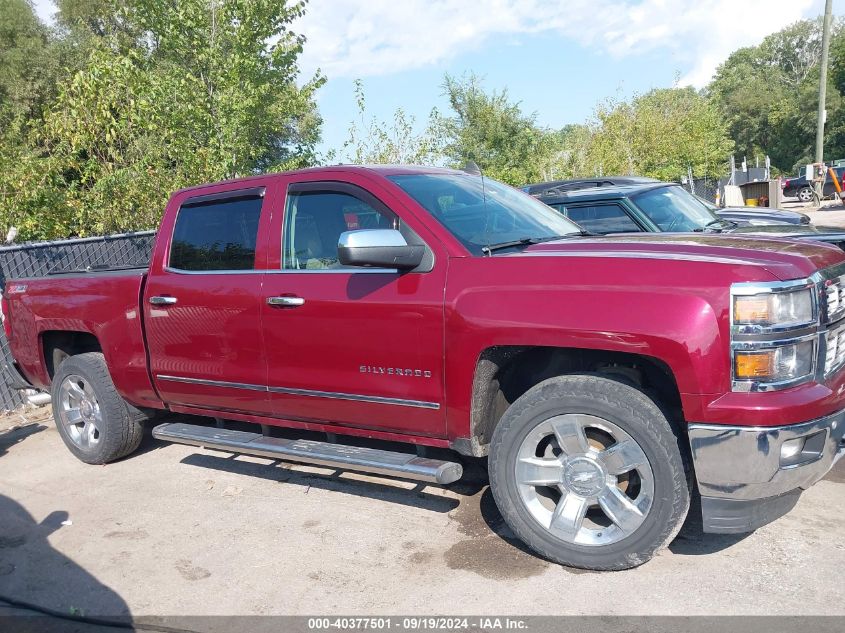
<point>170,94</point>
<point>492,131</point>
<point>768,95</point>
<point>377,142</point>
<point>26,61</point>
<point>660,134</point>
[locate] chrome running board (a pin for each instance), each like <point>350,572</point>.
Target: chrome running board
<point>357,458</point>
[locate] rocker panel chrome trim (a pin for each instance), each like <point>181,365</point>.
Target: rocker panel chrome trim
<point>335,395</point>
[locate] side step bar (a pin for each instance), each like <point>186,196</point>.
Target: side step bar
<point>368,460</point>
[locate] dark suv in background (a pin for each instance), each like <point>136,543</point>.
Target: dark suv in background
<point>799,187</point>
<point>665,207</point>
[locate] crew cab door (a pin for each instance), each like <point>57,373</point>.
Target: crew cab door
<point>353,346</point>
<point>203,297</point>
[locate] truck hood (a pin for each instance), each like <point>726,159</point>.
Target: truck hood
<point>784,258</point>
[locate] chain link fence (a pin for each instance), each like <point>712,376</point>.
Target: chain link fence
<point>705,188</point>
<point>39,259</point>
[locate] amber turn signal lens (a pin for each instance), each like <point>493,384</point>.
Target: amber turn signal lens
<point>752,309</point>
<point>754,364</point>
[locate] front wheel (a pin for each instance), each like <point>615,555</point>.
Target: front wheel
<point>589,473</point>
<point>96,424</point>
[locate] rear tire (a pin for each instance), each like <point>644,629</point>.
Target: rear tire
<point>96,424</point>
<point>806,194</point>
<point>605,497</point>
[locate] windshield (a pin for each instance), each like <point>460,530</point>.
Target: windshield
<point>674,209</point>
<point>479,218</point>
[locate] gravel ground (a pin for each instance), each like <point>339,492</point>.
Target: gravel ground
<point>176,530</point>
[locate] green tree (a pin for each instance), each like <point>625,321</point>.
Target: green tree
<point>27,63</point>
<point>182,93</point>
<point>660,134</point>
<point>492,131</point>
<point>397,142</point>
<point>768,94</point>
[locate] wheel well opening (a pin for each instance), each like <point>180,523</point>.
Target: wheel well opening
<point>504,373</point>
<point>59,345</point>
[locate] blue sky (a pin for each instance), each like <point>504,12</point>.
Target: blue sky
<point>557,57</point>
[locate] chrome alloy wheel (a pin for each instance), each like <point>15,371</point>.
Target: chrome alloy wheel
<point>805,194</point>
<point>80,412</point>
<point>584,479</point>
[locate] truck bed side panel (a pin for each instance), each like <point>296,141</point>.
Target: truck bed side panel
<point>103,304</point>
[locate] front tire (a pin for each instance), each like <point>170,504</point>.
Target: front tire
<point>95,423</point>
<point>589,473</point>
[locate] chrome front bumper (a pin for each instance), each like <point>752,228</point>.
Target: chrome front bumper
<point>744,482</point>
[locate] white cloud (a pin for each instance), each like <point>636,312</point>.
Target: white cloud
<point>355,38</point>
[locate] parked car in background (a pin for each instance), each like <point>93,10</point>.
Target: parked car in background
<point>799,187</point>
<point>666,207</point>
<point>609,380</point>
<point>758,216</point>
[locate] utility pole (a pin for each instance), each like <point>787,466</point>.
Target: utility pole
<point>828,12</point>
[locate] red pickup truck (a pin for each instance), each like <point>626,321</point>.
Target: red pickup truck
<point>608,380</point>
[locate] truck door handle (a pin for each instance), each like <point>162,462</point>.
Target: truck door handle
<point>285,302</point>
<point>162,301</point>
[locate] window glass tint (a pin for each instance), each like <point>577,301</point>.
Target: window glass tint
<point>674,209</point>
<point>481,212</point>
<point>314,221</point>
<point>604,218</point>
<point>216,236</point>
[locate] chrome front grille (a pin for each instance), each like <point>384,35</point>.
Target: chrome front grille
<point>834,292</point>
<point>834,356</point>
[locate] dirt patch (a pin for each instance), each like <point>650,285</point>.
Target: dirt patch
<point>129,535</point>
<point>9,542</point>
<point>25,416</point>
<point>491,550</point>
<point>189,571</point>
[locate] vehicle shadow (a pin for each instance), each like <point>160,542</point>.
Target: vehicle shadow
<point>33,574</point>
<point>18,434</point>
<point>417,496</point>
<point>693,541</point>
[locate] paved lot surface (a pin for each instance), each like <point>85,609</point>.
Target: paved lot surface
<point>830,213</point>
<point>176,530</point>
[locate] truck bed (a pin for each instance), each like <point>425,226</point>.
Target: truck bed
<point>45,312</point>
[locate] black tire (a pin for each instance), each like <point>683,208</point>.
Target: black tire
<point>120,429</point>
<point>640,417</point>
<point>806,194</point>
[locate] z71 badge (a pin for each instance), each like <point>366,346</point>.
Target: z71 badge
<point>16,289</point>
<point>395,371</point>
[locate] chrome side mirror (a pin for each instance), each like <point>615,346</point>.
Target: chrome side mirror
<point>379,248</point>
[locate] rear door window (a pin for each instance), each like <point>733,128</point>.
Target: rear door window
<point>216,235</point>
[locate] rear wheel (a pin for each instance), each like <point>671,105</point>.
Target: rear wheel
<point>95,423</point>
<point>805,194</point>
<point>588,472</point>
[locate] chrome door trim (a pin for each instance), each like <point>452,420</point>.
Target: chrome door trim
<point>212,383</point>
<point>351,270</point>
<point>334,395</point>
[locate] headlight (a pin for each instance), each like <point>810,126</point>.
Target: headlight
<point>782,364</point>
<point>780,310</point>
<point>774,334</point>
